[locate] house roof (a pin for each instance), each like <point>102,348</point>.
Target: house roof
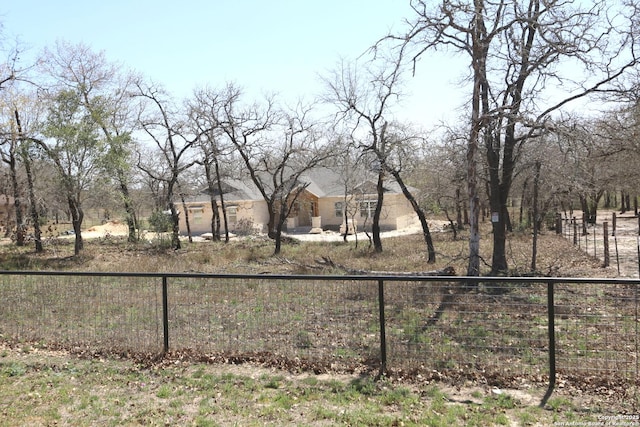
<point>321,182</point>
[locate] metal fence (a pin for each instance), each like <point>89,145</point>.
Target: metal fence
<point>513,331</point>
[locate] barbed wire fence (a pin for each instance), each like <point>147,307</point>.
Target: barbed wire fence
<point>614,239</point>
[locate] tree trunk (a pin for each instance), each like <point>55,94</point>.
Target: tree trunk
<point>271,224</point>
<point>215,219</point>
<point>35,217</point>
<point>479,97</point>
<point>534,250</point>
<point>421,216</point>
<point>498,192</point>
<point>215,233</point>
<point>132,222</point>
<point>345,216</point>
<point>375,227</point>
<point>175,234</point>
<point>458,212</point>
<point>77,216</point>
<point>585,213</point>
<point>523,200</point>
<point>594,207</point>
<point>17,199</point>
<point>222,205</point>
<point>26,161</point>
<point>453,226</point>
<point>278,236</point>
<point>628,201</point>
<point>186,217</point>
<point>507,220</point>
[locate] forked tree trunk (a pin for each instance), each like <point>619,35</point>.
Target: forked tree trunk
<point>186,217</point>
<point>26,161</point>
<point>77,216</point>
<point>215,219</point>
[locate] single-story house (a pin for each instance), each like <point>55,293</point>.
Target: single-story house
<point>321,206</point>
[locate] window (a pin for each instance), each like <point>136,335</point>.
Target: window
<point>232,214</point>
<point>196,213</point>
<point>367,208</point>
<point>338,209</point>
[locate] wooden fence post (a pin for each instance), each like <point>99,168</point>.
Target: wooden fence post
<point>605,236</point>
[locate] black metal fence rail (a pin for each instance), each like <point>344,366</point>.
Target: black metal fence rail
<point>507,329</point>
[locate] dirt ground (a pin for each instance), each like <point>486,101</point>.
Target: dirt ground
<point>117,228</point>
<point>113,228</point>
<point>624,241</point>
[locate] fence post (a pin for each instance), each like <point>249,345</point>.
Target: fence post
<point>605,236</point>
<point>595,240</point>
<point>575,232</point>
<point>383,334</point>
<point>165,314</point>
<point>551,312</point>
<point>615,242</point>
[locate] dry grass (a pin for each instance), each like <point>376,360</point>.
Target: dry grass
<point>472,322</point>
<point>556,256</point>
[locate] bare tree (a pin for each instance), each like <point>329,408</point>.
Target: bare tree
<point>277,146</point>
<point>364,98</point>
<point>516,51</point>
<point>349,164</point>
<point>10,69</point>
<point>174,141</point>
<point>395,153</point>
<point>206,111</point>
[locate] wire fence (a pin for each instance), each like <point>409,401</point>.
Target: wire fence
<point>509,331</point>
<point>614,239</point>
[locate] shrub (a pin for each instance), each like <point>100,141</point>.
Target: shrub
<point>245,227</point>
<point>160,222</point>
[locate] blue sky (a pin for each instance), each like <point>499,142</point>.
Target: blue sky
<point>264,46</point>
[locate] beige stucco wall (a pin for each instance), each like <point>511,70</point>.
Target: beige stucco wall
<point>326,211</point>
<point>200,216</point>
<point>396,212</point>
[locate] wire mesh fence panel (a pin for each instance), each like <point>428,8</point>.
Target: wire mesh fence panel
<point>333,321</point>
<point>112,313</point>
<point>478,328</point>
<point>453,329</point>
<point>597,332</point>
